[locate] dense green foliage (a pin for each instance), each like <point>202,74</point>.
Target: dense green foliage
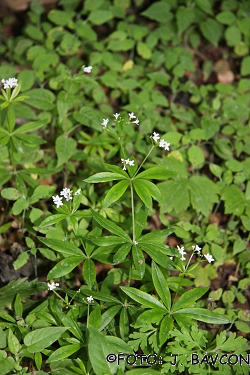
<point>89,138</point>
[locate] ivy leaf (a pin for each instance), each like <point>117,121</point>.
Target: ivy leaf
<point>234,200</point>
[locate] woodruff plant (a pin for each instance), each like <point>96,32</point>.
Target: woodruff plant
<point>137,319</point>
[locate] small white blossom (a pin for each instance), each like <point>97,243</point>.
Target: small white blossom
<point>164,144</point>
<point>105,122</point>
<point>57,201</point>
<point>127,162</point>
<point>155,136</point>
<point>9,83</point>
<point>131,115</point>
<point>135,243</point>
<point>182,252</point>
<point>116,115</point>
<point>209,258</point>
<point>66,193</point>
<point>52,286</point>
<point>90,299</point>
<point>78,192</point>
<point>136,122</point>
<point>197,248</point>
<point>87,69</point>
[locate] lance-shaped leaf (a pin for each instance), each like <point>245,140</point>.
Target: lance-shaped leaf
<point>146,189</point>
<point>188,298</point>
<point>110,226</point>
<point>115,169</point>
<point>104,177</point>
<point>159,253</point>
<point>202,315</point>
<point>108,315</point>
<point>107,240</point>
<point>64,352</point>
<point>64,267</point>
<point>53,219</point>
<point>156,173</point>
<point>143,298</point>
<point>63,247</point>
<point>138,260</point>
<point>42,338</point>
<point>149,316</point>
<point>161,286</point>
<point>31,126</point>
<point>115,193</point>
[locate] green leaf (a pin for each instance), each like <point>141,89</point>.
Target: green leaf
<point>176,195</point>
<point>53,219</point>
<point>115,193</point>
<point>203,315</point>
<point>104,177</point>
<point>42,192</point>
<point>21,260</point>
<point>20,205</point>
<point>159,12</point>
<point>196,157</point>
<point>245,66</point>
<point>203,194</point>
<point>98,349</point>
<point>161,286</point>
<point>65,148</point>
<point>165,328</point>
<point>89,117</point>
<point>42,338</point>
<point>109,315</point>
<point>60,17</point>
<point>144,51</point>
<point>156,173</point>
<point>40,99</point>
<point>121,254</point>
<point>234,200</point>
<point>185,17</point>
<point>31,126</point>
<point>233,35</point>
<point>143,298</point>
<point>159,253</point>
<point>63,352</point>
<point>140,221</point>
<point>212,30</point>
<point>143,193</point>
<point>188,298</point>
<point>89,272</point>
<point>205,5</point>
<point>138,260</point>
<point>106,240</point>
<point>64,247</point>
<point>64,267</point>
<point>226,17</point>
<point>149,316</point>
<point>10,194</point>
<point>13,343</point>
<point>99,17</point>
<point>110,226</point>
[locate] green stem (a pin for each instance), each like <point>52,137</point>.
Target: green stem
<point>144,160</point>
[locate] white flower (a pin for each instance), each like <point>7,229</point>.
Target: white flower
<point>116,115</point>
<point>87,69</point>
<point>164,144</point>
<point>52,286</point>
<point>182,252</point>
<point>197,248</point>
<point>155,136</point>
<point>57,201</point>
<point>11,82</point>
<point>209,258</point>
<point>128,162</point>
<point>131,115</point>
<point>78,192</point>
<point>90,299</point>
<point>136,122</point>
<point>105,122</point>
<point>66,194</point>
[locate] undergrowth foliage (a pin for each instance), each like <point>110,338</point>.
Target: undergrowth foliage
<point>90,189</point>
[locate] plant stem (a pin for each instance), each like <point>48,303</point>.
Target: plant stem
<point>144,160</point>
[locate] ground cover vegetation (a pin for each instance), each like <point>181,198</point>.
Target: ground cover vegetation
<point>125,193</point>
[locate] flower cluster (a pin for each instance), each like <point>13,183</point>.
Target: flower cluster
<point>196,249</point>
<point>66,193</point>
<point>182,252</point>
<point>156,137</point>
<point>87,69</point>
<point>52,286</point>
<point>132,118</point>
<point>9,83</point>
<point>127,162</point>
